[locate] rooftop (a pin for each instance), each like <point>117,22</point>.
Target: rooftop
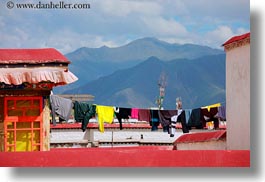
<point>31,56</point>
<point>237,38</point>
<point>201,137</point>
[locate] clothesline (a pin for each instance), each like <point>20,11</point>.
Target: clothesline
<point>188,118</point>
<point>155,108</point>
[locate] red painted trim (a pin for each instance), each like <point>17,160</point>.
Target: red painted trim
<point>95,126</point>
<point>32,56</point>
<point>201,137</point>
<point>114,125</point>
<point>127,157</point>
<point>237,38</point>
<point>23,118</point>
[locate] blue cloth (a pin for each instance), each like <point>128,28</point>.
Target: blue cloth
<point>154,120</point>
<point>222,112</point>
<point>187,115</point>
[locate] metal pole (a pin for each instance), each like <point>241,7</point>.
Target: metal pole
<point>112,138</point>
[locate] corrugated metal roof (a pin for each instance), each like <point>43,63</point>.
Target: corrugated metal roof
<point>201,137</point>
<point>31,56</point>
<point>237,38</point>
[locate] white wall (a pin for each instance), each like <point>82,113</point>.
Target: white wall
<point>77,135</point>
<point>238,98</point>
<point>211,145</point>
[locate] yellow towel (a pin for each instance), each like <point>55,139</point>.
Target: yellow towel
<point>211,106</point>
<point>105,114</point>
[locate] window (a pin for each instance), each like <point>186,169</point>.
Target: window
<point>23,123</point>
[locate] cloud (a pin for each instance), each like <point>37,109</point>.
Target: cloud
<point>163,27</point>
<point>67,41</point>
<point>116,22</point>
<point>126,7</point>
<point>233,10</point>
<point>64,41</point>
<point>2,23</point>
<point>221,34</point>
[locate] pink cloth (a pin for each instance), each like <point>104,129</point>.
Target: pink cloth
<point>18,76</point>
<point>134,113</point>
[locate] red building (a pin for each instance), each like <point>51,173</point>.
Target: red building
<point>27,77</point>
<point>34,94</point>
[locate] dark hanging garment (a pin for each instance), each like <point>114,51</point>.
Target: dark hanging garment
<point>195,119</point>
<point>222,112</point>
<point>180,117</point>
<point>182,120</point>
<point>154,120</point>
<point>174,120</point>
<point>211,115</point>
<point>165,118</point>
<point>122,113</point>
<point>144,115</point>
<point>83,113</point>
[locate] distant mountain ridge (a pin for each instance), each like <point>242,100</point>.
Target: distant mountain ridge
<point>127,76</point>
<point>142,49</point>
<point>198,82</point>
<point>92,63</point>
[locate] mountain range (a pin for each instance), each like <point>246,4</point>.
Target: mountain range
<point>127,76</point>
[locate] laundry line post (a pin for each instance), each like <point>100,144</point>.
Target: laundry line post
<point>91,134</point>
<point>112,139</point>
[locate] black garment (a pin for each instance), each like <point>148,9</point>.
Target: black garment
<point>154,120</point>
<point>165,118</point>
<point>211,115</point>
<point>122,113</point>
<point>182,120</point>
<point>180,117</point>
<point>195,119</point>
<point>83,113</point>
<point>166,129</point>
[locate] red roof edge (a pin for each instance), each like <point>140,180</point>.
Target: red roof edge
<point>32,56</point>
<point>201,137</point>
<point>237,38</point>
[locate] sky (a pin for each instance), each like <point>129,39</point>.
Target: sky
<point>115,23</point>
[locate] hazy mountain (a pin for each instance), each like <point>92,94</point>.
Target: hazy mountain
<point>198,82</point>
<point>91,63</point>
<point>140,50</point>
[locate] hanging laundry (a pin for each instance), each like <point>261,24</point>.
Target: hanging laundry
<point>172,126</point>
<point>195,119</point>
<point>222,112</point>
<point>144,115</point>
<point>154,122</point>
<point>122,113</point>
<point>83,113</point>
<point>187,115</point>
<point>180,117</point>
<point>165,118</point>
<point>60,106</point>
<point>210,115</point>
<point>105,114</point>
<point>211,106</point>
<point>134,114</point>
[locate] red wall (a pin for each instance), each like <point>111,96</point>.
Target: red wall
<point>126,157</point>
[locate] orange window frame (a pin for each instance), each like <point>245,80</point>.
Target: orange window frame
<point>24,118</point>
